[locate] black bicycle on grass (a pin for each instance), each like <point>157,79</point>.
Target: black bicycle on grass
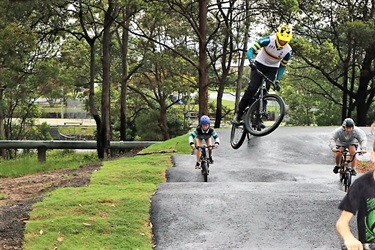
<point>204,160</point>
<point>346,171</point>
<point>262,117</point>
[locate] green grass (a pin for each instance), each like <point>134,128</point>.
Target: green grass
<point>57,159</point>
<point>113,212</point>
<point>77,130</point>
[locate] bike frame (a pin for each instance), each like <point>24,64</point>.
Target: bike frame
<point>345,173</point>
<point>265,80</point>
<point>205,164</point>
<point>261,96</point>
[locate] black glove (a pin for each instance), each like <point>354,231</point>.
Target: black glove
<point>277,85</point>
<point>252,64</point>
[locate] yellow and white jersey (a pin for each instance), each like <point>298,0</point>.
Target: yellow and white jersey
<point>270,54</point>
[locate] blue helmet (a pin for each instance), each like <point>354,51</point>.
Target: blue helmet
<point>205,119</point>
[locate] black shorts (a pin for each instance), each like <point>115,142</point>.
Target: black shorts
<point>355,145</point>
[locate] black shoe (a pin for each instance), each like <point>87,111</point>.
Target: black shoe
<point>211,161</point>
<point>353,172</point>
<point>236,118</point>
<point>197,165</point>
<point>336,169</point>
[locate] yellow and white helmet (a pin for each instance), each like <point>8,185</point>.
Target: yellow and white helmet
<point>284,33</point>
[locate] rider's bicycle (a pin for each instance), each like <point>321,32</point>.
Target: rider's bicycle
<point>346,171</point>
<point>262,117</point>
<point>366,246</point>
<point>204,160</point>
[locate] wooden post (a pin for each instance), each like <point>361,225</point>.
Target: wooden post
<point>42,154</point>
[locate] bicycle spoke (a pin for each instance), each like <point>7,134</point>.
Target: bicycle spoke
<point>262,122</point>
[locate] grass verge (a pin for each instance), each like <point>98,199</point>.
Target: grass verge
<point>112,212</point>
<point>57,159</point>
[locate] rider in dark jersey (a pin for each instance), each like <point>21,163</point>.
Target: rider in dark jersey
<point>359,200</point>
<point>203,132</point>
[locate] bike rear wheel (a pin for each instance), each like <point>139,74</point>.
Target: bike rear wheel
<point>263,122</point>
<point>204,166</point>
<point>237,135</point>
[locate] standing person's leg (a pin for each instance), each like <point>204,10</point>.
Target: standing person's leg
<point>338,158</point>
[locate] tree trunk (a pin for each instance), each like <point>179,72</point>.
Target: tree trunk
<point>219,104</point>
<point>105,102</point>
<point>203,67</point>
<point>124,57</point>
<point>2,117</point>
<point>163,125</point>
<point>242,58</point>
<point>93,110</point>
<point>364,80</point>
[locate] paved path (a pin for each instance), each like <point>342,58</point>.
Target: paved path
<point>275,192</point>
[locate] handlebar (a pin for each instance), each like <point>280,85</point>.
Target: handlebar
<point>347,151</point>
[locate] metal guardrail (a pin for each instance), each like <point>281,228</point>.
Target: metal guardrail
<point>42,146</point>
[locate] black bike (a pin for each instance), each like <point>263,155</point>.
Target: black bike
<point>345,171</point>
<point>262,117</point>
<point>204,160</point>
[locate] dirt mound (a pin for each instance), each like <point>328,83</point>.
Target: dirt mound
<point>22,192</point>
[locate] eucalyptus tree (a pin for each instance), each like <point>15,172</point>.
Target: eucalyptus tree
<point>227,46</point>
<point>334,41</point>
<point>128,65</point>
<point>192,15</point>
<point>89,21</point>
<point>21,48</point>
<point>161,74</point>
<point>160,82</point>
<point>309,104</point>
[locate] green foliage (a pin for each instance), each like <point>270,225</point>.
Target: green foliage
<point>40,132</point>
<point>289,6</point>
<point>359,31</point>
<point>147,126</point>
<point>309,99</point>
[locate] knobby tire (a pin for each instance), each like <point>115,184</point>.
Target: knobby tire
<point>348,181</point>
<point>237,135</point>
<point>274,102</point>
<point>204,166</point>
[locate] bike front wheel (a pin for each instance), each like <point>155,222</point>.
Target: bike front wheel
<point>262,122</point>
<point>347,181</point>
<point>204,166</point>
<point>237,135</point>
